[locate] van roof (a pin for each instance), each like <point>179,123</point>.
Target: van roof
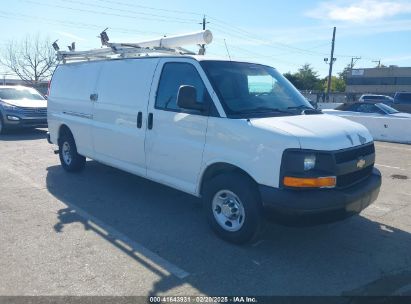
<point>195,57</point>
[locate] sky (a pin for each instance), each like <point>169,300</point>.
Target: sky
<point>283,34</point>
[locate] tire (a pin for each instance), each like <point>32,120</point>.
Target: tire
<point>69,158</point>
<point>233,208</point>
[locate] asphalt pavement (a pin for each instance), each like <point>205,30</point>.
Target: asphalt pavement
<point>107,232</point>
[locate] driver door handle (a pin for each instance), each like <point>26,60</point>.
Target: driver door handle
<point>150,121</point>
<point>139,120</point>
<point>94,97</point>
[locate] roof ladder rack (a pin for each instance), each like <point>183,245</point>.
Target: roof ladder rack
<point>165,45</point>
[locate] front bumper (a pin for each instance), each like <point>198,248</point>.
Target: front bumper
<point>316,206</point>
<point>23,122</point>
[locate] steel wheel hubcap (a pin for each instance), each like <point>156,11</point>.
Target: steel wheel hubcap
<point>228,210</point>
<point>66,151</point>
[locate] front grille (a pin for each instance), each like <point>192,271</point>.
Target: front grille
<point>351,154</point>
<point>353,177</point>
<point>348,159</point>
<point>34,112</point>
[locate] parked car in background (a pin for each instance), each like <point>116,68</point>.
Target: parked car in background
<point>402,101</point>
<point>21,107</point>
<point>376,98</point>
<point>371,109</point>
<point>384,122</point>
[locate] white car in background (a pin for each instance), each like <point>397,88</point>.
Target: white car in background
<point>376,98</point>
<point>384,122</point>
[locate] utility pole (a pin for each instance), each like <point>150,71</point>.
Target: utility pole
<point>353,61</point>
<point>202,47</point>
<point>378,61</point>
<point>332,59</point>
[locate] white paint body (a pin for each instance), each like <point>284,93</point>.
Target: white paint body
<point>180,146</point>
<point>383,127</point>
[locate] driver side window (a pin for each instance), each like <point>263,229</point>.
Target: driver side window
<point>174,75</point>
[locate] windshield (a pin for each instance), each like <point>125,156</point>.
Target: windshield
<point>249,90</point>
<point>371,97</point>
<point>19,93</point>
<point>386,109</point>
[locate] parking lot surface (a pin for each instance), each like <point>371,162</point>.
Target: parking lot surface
<point>106,232</point>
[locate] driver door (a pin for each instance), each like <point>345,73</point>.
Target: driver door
<point>176,137</point>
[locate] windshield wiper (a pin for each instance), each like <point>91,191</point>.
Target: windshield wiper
<point>306,109</point>
<point>266,110</point>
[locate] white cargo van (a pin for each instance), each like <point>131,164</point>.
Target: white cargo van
<point>237,134</point>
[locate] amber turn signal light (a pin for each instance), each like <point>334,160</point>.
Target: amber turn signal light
<point>316,182</point>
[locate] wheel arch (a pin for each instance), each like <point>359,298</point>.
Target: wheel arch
<point>64,130</point>
<point>218,168</point>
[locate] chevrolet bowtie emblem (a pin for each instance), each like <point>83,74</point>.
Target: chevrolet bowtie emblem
<point>361,163</point>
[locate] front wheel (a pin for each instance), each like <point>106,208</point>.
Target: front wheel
<point>69,158</point>
<point>233,208</point>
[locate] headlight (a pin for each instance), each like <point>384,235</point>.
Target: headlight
<point>307,169</point>
<point>309,162</point>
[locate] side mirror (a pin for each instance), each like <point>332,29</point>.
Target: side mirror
<point>187,98</point>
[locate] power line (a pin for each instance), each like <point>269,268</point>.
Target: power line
<point>104,13</point>
<point>238,32</point>
<point>256,55</point>
<point>265,43</point>
<point>354,61</point>
<point>253,36</point>
<point>244,33</point>
<point>149,8</point>
<point>71,24</point>
<point>378,61</point>
<point>124,10</point>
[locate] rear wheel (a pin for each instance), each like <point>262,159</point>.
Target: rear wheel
<point>69,158</point>
<point>233,208</point>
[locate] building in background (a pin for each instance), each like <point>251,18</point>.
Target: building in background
<point>382,80</point>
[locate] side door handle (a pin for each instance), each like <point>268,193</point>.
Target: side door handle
<point>150,121</point>
<point>94,97</point>
<point>139,119</point>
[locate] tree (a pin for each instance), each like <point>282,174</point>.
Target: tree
<point>345,72</point>
<point>308,77</point>
<point>337,84</point>
<point>293,78</point>
<point>32,59</point>
<point>305,79</point>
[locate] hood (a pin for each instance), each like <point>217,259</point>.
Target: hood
<point>27,103</point>
<point>318,132</point>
